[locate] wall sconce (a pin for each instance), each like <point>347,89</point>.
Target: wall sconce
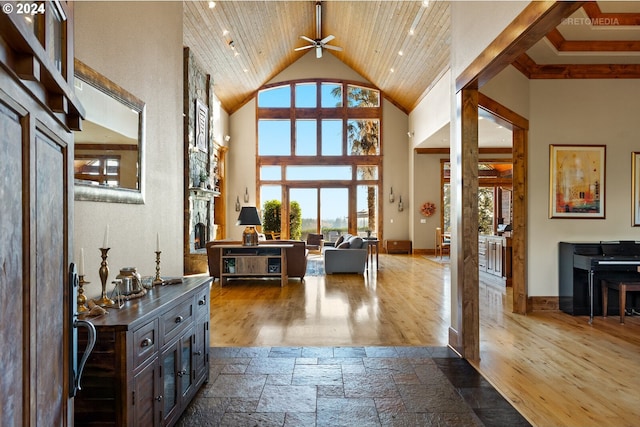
<point>400,205</point>
<point>410,134</point>
<point>391,196</point>
<point>246,195</point>
<point>227,138</point>
<point>237,203</point>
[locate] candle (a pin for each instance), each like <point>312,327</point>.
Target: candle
<point>157,242</point>
<point>106,237</point>
<point>81,267</point>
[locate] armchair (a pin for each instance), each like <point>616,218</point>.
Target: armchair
<point>315,242</point>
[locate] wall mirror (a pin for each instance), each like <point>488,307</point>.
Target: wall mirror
<point>109,151</point>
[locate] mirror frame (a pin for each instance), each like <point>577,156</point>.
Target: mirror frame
<point>109,194</point>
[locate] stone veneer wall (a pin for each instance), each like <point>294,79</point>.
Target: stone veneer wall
<point>199,204</point>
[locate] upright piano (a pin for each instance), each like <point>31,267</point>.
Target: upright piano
<point>583,265</point>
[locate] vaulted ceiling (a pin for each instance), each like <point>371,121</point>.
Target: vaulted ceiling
<point>401,46</point>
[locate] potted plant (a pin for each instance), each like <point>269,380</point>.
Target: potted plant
<point>203,178</point>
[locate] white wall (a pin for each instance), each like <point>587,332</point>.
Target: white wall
<point>579,112</point>
<point>432,113</point>
<point>511,89</point>
<point>474,25</point>
<point>139,46</point>
<point>242,152</point>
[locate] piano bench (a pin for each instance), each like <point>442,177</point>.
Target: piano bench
<point>622,288</point>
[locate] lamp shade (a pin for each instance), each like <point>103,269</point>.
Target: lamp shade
<point>248,216</point>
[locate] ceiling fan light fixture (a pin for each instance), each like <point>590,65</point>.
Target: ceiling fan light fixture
<point>318,43</point>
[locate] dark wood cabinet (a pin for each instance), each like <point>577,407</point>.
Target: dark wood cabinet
<point>150,358</point>
<point>38,112</point>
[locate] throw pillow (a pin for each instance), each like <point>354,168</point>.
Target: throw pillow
<point>344,245</point>
<point>355,242</point>
<point>339,240</point>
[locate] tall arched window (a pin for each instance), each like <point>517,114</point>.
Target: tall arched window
<point>320,152</point>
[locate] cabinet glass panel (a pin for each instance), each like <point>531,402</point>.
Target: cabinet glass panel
<point>170,390</point>
<point>185,365</point>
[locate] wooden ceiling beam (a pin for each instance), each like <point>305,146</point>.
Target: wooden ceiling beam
<point>531,70</point>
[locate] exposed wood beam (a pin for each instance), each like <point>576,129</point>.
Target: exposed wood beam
<point>535,21</point>
<point>564,45</point>
<point>598,18</point>
<point>531,70</point>
<point>482,150</point>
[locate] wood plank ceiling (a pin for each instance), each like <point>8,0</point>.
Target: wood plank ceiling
<point>244,44</point>
<point>372,34</point>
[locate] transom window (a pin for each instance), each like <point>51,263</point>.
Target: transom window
<point>316,137</point>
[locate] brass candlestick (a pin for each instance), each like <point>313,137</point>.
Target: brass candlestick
<point>82,299</point>
<point>157,280</point>
<point>104,300</point>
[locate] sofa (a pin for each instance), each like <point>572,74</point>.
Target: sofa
<point>296,256</point>
<point>348,255</point>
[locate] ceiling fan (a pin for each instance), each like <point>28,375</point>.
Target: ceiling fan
<point>319,43</point>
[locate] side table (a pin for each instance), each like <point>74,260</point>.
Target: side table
<point>373,247</point>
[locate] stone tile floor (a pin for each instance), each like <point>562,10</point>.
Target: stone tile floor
<point>346,386</point>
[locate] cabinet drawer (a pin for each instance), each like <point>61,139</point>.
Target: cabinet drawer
<point>202,303</point>
<point>174,321</point>
<point>145,343</point>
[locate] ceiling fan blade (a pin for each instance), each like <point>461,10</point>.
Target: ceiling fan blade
<point>327,39</point>
<point>318,51</point>
<point>308,39</point>
<point>304,47</point>
<point>328,46</point>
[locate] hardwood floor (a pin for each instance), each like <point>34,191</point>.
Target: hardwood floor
<point>556,369</point>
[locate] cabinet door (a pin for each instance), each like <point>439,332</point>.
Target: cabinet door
<point>186,373</point>
<point>201,350</point>
<point>169,368</point>
<point>147,396</point>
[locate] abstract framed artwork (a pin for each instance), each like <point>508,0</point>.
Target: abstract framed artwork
<point>635,188</point>
<point>577,181</point>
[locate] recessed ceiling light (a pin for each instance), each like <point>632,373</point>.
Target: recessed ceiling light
<point>392,70</point>
<point>400,53</point>
<point>246,70</point>
<point>225,32</point>
<point>425,3</point>
<point>411,32</point>
<point>212,4</point>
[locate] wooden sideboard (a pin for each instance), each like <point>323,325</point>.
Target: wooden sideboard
<point>398,246</point>
<point>254,261</point>
<point>150,358</point>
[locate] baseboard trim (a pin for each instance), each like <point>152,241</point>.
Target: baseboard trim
<point>454,340</point>
<point>544,303</point>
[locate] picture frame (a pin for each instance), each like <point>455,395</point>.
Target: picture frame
<point>202,126</point>
<point>577,181</point>
<point>635,188</point>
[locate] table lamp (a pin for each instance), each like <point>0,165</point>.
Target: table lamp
<point>249,217</point>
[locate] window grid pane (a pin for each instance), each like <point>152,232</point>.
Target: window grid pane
<point>306,138</point>
<point>363,137</point>
<point>331,138</point>
<point>318,173</point>
<point>331,95</point>
<point>306,95</point>
<point>276,97</point>
<point>274,137</point>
